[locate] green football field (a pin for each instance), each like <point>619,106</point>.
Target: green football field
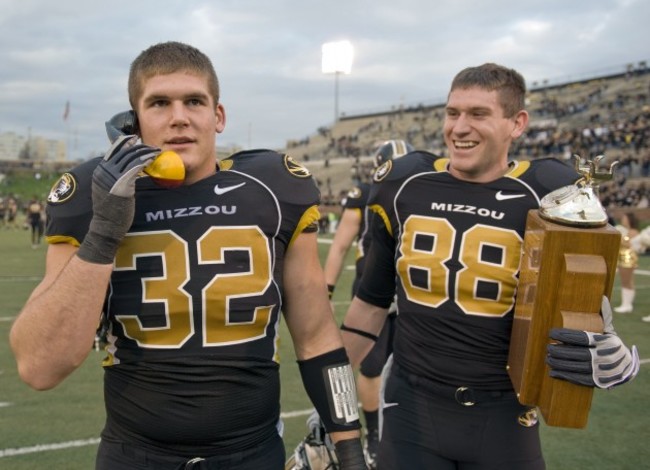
<point>59,429</point>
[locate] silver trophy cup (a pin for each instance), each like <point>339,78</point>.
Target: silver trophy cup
<point>579,205</point>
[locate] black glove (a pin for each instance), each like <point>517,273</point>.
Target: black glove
<point>592,359</point>
<point>350,455</point>
<point>113,192</point>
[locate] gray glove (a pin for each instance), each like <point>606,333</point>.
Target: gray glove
<point>113,192</point>
<point>592,359</point>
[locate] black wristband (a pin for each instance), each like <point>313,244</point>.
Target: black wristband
<point>98,249</point>
<point>356,331</point>
<point>350,454</point>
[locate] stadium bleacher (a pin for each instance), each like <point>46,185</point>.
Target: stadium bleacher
<point>598,116</point>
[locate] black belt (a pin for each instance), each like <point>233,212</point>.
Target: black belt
<point>466,396</point>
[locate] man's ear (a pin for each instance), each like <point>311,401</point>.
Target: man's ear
<point>521,123</point>
<point>220,113</point>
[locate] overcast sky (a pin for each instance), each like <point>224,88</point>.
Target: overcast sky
<point>267,54</point>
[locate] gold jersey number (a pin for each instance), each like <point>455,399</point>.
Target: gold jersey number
<point>217,327</point>
<point>428,262</point>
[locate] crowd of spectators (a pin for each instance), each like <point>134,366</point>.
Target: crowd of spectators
<point>607,116</point>
<point>625,137</point>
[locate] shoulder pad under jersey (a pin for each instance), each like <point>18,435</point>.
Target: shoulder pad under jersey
<point>357,197</point>
<point>545,174</point>
<point>71,184</point>
<point>69,203</point>
<point>411,163</point>
<point>287,178</point>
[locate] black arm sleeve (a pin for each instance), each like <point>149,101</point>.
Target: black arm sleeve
<point>329,382</point>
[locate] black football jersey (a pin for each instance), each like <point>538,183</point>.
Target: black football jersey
<point>194,301</point>
<point>357,200</point>
<point>450,250</point>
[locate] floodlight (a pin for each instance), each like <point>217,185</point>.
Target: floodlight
<point>337,59</point>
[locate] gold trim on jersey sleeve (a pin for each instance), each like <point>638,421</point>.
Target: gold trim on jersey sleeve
<point>109,360</point>
<point>518,168</point>
<point>441,164</point>
<point>309,217</point>
<point>54,239</point>
<point>276,346</point>
<point>359,252</point>
<point>225,164</point>
<point>377,209</point>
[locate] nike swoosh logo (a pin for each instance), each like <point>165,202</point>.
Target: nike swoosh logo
<point>504,197</point>
<point>219,191</point>
<point>390,405</point>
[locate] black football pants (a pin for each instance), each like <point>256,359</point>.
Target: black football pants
<point>123,456</point>
<point>425,428</point>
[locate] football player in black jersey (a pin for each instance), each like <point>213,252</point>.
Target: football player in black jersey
<point>448,243</point>
<point>191,281</point>
<point>354,226</point>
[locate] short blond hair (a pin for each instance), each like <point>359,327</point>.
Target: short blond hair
<point>169,57</point>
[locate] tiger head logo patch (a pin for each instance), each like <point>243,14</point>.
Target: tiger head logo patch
<point>295,168</point>
<point>382,171</point>
<point>63,189</point>
<point>528,419</point>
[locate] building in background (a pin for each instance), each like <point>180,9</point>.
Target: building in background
<point>15,147</point>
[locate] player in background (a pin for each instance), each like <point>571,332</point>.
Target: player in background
<point>35,216</point>
<point>353,227</point>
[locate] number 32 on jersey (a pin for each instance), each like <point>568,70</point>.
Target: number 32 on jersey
<point>217,327</point>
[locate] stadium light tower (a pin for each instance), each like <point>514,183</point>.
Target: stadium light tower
<point>337,59</point>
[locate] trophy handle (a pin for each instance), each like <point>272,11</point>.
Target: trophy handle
<point>565,271</point>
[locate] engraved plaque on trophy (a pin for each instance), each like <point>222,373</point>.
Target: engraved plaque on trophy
<point>568,263</point>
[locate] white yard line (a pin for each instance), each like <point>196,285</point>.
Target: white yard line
<point>48,447</point>
<point>20,278</point>
<point>95,440</point>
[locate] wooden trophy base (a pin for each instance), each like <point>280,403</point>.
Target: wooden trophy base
<point>565,271</point>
